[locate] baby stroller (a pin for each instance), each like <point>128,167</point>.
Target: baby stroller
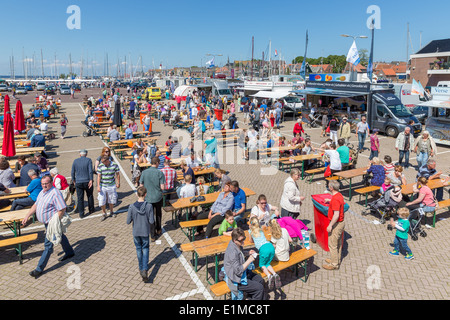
<point>415,221</point>
<point>314,121</point>
<point>386,206</point>
<point>89,131</point>
<point>353,155</point>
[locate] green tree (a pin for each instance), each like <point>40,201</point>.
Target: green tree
<point>364,57</point>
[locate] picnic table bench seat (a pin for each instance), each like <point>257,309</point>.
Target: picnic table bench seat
<point>18,241</point>
<point>366,191</point>
<point>296,258</point>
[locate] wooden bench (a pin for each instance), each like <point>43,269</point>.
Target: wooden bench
<point>442,204</point>
<point>366,191</point>
<point>18,241</point>
<point>313,172</point>
<point>297,258</point>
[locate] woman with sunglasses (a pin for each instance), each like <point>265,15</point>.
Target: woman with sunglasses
<point>239,277</point>
<point>263,210</point>
<point>105,151</point>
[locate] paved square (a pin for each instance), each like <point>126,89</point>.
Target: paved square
<point>105,265</point>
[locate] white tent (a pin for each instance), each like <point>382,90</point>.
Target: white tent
<point>271,94</point>
<point>183,91</point>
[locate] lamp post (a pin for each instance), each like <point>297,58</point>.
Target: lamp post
<point>354,39</point>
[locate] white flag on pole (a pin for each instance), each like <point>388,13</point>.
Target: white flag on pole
<point>210,63</point>
<point>353,55</point>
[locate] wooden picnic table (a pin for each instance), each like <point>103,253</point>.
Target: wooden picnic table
<point>27,151</point>
<point>217,245</point>
<point>432,184</point>
<point>185,203</point>
<point>302,159</point>
<point>16,192</point>
<point>19,144</point>
<point>199,171</point>
<point>349,175</point>
<point>122,134</point>
<point>118,143</point>
<point>13,219</point>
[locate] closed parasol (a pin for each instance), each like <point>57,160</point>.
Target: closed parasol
<point>19,121</point>
<point>8,145</point>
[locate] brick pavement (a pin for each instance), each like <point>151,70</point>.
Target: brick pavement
<point>105,265</point>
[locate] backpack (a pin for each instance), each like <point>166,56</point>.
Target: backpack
<point>152,151</point>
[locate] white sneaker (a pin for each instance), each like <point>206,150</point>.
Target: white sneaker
<point>428,226</point>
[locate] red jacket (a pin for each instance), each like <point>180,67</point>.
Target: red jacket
<point>298,128</point>
<point>64,183</point>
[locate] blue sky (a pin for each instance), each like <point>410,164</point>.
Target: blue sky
<point>181,33</point>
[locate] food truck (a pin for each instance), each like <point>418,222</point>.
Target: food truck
<point>378,102</point>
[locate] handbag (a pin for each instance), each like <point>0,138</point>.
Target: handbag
<point>328,129</point>
<point>327,172</point>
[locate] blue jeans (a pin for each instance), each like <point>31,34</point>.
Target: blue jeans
<point>239,217</point>
<point>373,154</point>
<point>142,250</point>
<point>403,153</point>
<point>422,158</point>
<point>48,250</point>
<point>278,120</point>
<point>398,242</point>
<point>361,139</point>
<point>20,204</point>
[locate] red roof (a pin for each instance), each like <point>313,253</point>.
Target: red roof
<point>389,72</point>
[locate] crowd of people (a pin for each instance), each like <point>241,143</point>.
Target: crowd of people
<point>49,191</point>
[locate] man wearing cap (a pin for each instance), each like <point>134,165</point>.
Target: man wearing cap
<point>345,130</point>
<point>83,176</point>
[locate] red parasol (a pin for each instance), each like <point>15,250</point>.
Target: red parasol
<point>8,146</point>
<point>19,119</point>
<point>6,107</point>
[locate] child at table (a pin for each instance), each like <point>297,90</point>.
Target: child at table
<point>228,224</point>
<point>266,253</point>
<point>388,166</point>
<point>385,185</point>
<point>280,239</point>
<point>188,190</point>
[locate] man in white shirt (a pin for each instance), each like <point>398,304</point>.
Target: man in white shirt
<point>193,161</point>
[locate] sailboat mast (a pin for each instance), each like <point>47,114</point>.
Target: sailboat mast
<point>251,71</point>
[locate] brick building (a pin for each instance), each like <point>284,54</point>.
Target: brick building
<point>431,64</point>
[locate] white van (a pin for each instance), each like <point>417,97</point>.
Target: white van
<point>443,84</point>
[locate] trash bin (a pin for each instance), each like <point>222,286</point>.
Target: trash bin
<point>99,115</point>
<point>321,220</point>
<point>219,114</point>
<point>142,115</point>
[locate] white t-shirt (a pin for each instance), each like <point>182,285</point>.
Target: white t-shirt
<point>335,160</point>
<point>43,126</point>
<point>262,215</point>
<point>281,246</point>
<point>362,127</point>
<point>189,190</point>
